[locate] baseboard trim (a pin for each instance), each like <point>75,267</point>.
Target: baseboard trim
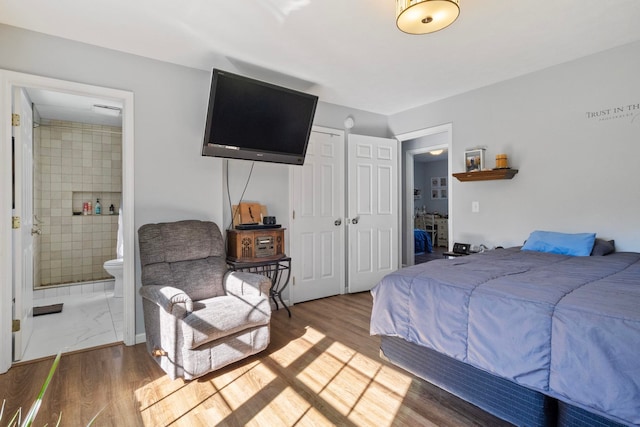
<point>140,338</point>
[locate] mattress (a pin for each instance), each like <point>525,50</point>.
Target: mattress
<point>568,327</point>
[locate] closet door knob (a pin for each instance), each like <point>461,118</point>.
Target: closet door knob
<point>337,222</point>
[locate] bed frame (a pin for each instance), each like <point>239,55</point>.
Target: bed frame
<point>498,396</point>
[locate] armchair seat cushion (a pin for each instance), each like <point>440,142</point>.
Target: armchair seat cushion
<point>218,317</point>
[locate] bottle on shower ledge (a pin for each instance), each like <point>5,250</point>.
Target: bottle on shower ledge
<point>98,207</point>
<point>112,210</point>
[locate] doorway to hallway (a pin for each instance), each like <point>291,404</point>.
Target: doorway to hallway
<point>424,144</point>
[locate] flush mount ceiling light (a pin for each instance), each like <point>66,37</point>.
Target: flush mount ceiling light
<point>107,110</point>
<point>436,152</point>
<point>425,16</point>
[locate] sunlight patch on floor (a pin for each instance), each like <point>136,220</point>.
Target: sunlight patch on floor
<point>347,380</point>
<point>313,336</point>
<point>332,381</point>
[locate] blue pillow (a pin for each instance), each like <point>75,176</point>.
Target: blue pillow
<point>579,244</point>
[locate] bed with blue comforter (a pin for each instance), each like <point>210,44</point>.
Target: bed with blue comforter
<point>567,327</point>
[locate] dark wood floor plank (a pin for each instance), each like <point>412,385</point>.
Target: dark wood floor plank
<point>321,368</point>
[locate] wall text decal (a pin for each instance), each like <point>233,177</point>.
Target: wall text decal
<point>614,113</point>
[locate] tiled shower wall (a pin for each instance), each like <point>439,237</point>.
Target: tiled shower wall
<point>75,163</point>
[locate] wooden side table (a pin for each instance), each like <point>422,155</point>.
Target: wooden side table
<point>277,270</point>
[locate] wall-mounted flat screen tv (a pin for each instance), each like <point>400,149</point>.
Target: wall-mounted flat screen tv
<point>254,120</point>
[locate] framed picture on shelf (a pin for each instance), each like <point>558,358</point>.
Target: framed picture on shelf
<point>474,160</point>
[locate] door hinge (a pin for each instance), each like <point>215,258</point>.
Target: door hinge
<point>294,214</point>
<point>15,119</point>
<point>15,325</point>
<point>294,280</point>
<point>15,222</point>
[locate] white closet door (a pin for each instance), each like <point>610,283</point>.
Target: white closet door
<point>373,204</point>
<point>318,241</point>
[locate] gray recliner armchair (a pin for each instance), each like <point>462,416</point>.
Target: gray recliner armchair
<point>198,315</point>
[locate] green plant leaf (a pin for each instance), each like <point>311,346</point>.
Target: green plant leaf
<point>35,407</point>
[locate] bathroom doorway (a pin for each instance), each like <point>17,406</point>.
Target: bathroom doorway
<point>60,108</point>
<point>77,194</point>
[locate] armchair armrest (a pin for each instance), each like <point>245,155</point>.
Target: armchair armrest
<point>243,283</point>
<point>172,300</point>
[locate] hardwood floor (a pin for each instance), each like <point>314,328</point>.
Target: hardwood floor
<point>321,368</point>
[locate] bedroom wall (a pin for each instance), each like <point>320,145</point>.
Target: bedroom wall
<point>572,131</point>
<point>172,180</point>
<point>577,172</point>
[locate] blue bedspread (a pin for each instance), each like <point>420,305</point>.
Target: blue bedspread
<point>566,326</point>
<point>422,241</point>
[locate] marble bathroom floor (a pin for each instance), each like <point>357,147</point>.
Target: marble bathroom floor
<point>87,320</point>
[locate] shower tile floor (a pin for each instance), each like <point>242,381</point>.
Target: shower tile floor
<point>88,319</point>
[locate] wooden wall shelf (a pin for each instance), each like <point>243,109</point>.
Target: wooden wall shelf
<point>486,175</point>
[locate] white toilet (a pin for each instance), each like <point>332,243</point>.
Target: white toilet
<point>115,267</point>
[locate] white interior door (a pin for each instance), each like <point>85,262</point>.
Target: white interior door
<point>23,209</point>
<point>317,246</point>
<point>372,174</point>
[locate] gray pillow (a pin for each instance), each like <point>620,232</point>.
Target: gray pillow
<point>603,247</point>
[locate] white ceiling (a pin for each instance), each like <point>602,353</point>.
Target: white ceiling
<point>74,108</point>
<point>348,52</point>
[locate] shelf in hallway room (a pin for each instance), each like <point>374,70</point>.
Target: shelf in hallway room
<point>486,175</point>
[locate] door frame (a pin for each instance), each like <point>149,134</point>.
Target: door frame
<point>9,80</point>
<point>407,208</point>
